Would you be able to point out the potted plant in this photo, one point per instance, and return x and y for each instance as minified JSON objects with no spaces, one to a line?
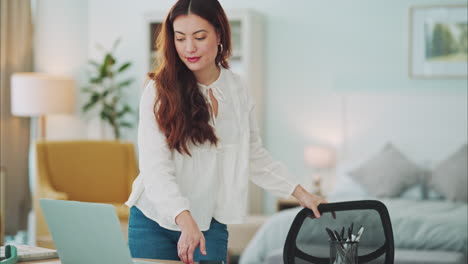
{"x":106,"y":91}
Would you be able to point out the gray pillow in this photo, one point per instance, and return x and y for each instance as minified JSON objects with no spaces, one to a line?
{"x":449,"y":178}
{"x":388,"y":173}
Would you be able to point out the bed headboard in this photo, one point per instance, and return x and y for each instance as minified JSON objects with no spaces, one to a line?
{"x":426,"y":127}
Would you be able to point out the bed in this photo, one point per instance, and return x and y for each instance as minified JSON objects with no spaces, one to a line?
{"x":436,"y":230}
{"x":429,"y":214}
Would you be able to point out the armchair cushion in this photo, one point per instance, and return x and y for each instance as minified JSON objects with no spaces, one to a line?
{"x":88,"y":171}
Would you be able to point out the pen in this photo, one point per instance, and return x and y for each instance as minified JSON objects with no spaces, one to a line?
{"x":330,"y":233}
{"x":359,"y":234}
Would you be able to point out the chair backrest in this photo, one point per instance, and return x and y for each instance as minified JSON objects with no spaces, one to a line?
{"x":308,"y":240}
{"x":89,"y":171}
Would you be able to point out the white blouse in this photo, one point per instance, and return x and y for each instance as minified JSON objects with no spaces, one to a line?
{"x":213,"y":182}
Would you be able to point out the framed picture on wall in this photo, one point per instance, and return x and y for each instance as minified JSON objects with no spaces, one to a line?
{"x":438,"y":42}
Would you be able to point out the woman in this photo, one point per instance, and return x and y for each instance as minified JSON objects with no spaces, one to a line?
{"x":198,"y":144}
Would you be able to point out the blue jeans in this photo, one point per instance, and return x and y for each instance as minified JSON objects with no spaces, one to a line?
{"x":147,"y":239}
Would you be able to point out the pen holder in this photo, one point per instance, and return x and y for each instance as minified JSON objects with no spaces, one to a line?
{"x":342,"y":252}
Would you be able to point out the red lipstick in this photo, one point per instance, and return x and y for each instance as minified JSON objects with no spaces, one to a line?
{"x":193,"y":59}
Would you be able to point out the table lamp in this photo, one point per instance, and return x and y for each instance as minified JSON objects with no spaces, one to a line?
{"x":39,"y":94}
{"x":319,"y":158}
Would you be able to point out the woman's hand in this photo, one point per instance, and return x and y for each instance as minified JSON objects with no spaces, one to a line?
{"x":308,"y":200}
{"x":190,"y":238}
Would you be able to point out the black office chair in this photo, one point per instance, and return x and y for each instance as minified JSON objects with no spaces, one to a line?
{"x":308,"y":241}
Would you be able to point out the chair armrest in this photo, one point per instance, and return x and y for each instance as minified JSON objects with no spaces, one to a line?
{"x":44,"y":188}
{"x":46,"y":191}
{"x":42,"y":234}
{"x":122,"y":210}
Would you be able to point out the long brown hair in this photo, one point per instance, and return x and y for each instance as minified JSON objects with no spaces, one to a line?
{"x":180,"y":108}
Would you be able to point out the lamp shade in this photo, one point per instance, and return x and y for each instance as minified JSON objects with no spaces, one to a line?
{"x":38,"y":94}
{"x":319,"y":157}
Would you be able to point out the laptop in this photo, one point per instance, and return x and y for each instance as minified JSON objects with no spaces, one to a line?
{"x":86,"y":233}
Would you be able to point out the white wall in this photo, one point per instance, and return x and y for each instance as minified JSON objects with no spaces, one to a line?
{"x":60,"y":47}
{"x":336,"y":73}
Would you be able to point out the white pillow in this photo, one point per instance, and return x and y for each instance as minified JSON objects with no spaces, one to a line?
{"x":450,"y":178}
{"x":388,"y":173}
{"x":345,"y":188}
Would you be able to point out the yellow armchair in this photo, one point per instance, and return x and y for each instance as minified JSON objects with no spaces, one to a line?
{"x":87,"y":171}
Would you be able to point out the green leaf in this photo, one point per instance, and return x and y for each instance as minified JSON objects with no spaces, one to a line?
{"x":125,"y":110}
{"x":128,"y":108}
{"x":104,"y":94}
{"x":124,"y":67}
{"x":95,"y":97}
{"x":108,"y":109}
{"x":125,"y":83}
{"x":109,"y":60}
{"x":115,"y":100}
{"x":109,"y":99}
{"x":93,"y":62}
{"x":92,"y":101}
{"x":106,"y":116}
{"x":96,"y":80}
{"x":87,"y":89}
{"x":105,"y":69}
{"x":126,"y":124}
{"x":86,"y":107}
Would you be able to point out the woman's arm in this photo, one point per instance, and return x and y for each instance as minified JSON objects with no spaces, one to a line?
{"x":273,"y":175}
{"x":190,"y":238}
{"x":156,"y":164}
{"x":266,"y":172}
{"x":308,"y":200}
{"x":157,"y":169}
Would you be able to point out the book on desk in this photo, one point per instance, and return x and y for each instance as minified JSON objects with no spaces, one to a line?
{"x":28,"y":253}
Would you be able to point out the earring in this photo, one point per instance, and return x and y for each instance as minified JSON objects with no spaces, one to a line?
{"x":220,"y":48}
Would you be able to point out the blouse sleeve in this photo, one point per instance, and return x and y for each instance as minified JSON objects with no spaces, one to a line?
{"x":264,"y":170}
{"x":156,"y":162}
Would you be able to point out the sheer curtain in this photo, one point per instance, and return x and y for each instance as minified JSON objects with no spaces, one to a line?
{"x":16,"y":35}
